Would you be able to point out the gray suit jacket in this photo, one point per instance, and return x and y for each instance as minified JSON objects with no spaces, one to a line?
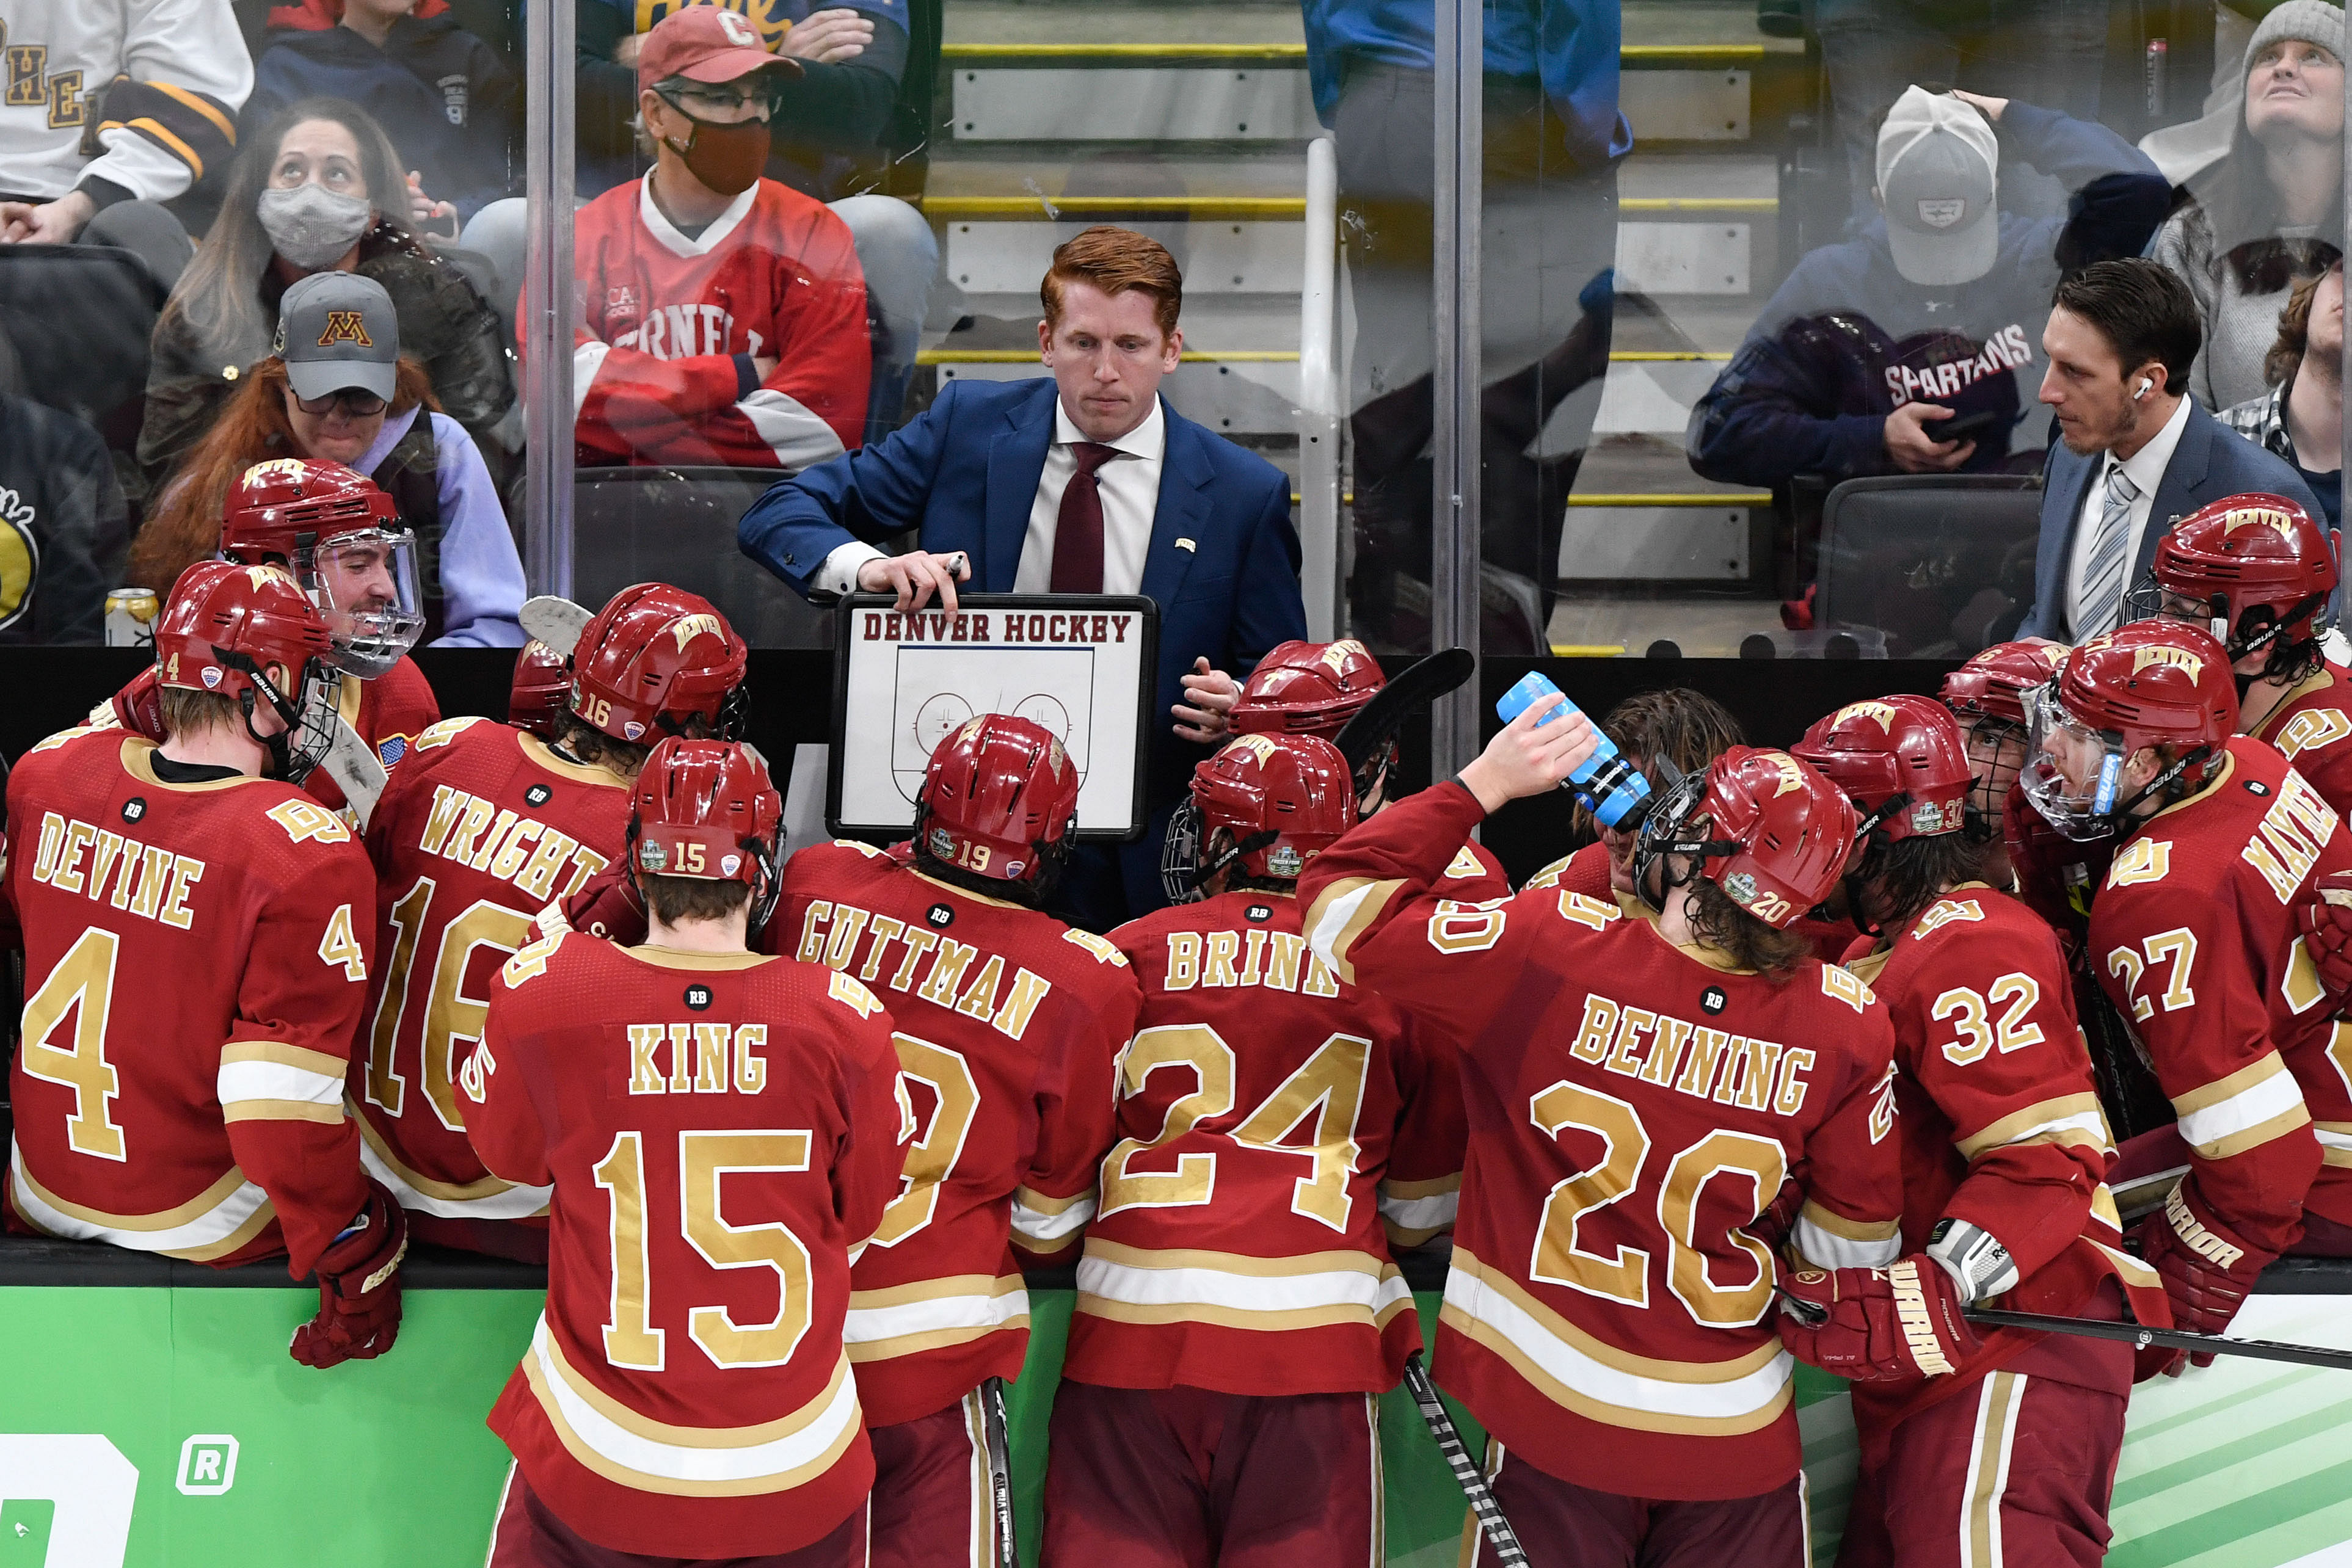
{"x":2210,"y":463}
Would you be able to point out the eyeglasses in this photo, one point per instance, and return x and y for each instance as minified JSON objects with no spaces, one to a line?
{"x":358,"y":405}
{"x":712,"y":103}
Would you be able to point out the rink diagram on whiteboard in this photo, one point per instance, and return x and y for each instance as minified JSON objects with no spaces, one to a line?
{"x":938,"y":689}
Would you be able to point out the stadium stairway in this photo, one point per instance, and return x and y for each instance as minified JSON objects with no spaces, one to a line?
{"x":1192,"y":122}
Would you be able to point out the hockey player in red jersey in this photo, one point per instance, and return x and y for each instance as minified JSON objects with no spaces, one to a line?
{"x":342,"y":538}
{"x":482,"y":828}
{"x":1638,"y":1092}
{"x":1987,"y":696}
{"x":2193,"y":934}
{"x":1238,"y":1311}
{"x":197,"y":949}
{"x":723,"y":315}
{"x":1666,"y":734}
{"x":2256,"y":571}
{"x":1315,"y":688}
{"x":1008,"y":1024}
{"x":2005,"y":1156}
{"x":721,"y":1132}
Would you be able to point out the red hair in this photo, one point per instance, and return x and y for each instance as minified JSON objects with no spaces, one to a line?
{"x":1116,"y":260}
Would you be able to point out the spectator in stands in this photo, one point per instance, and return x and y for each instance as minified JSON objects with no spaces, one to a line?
{"x":63,"y":524}
{"x":2134,"y":447}
{"x":319,"y":189}
{"x":1086,"y":483}
{"x":2301,"y":418}
{"x":2272,"y":211}
{"x":830,"y":139}
{"x":723,"y":313}
{"x":1933,"y":317}
{"x":113,"y":108}
{"x":450,"y":104}
{"x":1552,"y":139}
{"x":339,"y":388}
{"x":2048,"y":52}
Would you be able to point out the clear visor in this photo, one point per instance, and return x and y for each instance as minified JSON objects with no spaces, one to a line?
{"x":365,"y":583}
{"x":2073,"y":773}
{"x":2151,"y":601}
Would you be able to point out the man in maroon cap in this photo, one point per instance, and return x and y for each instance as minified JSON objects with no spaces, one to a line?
{"x":722,"y":315}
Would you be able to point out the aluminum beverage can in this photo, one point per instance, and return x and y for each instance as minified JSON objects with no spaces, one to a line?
{"x":131,"y":617}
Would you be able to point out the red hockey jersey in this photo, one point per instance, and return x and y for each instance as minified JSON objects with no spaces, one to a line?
{"x":665,"y":321}
{"x":2311,"y":729}
{"x":1998,"y":1118}
{"x":480,"y":828}
{"x":2193,"y":937}
{"x":1633,"y":1107}
{"x":1007,"y":1024}
{"x":721,"y":1131}
{"x":195,"y":956}
{"x":1584,"y":870}
{"x":1270,"y":1120}
{"x":389,"y":713}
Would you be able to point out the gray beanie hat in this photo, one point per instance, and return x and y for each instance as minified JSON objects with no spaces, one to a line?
{"x":2312,"y":21}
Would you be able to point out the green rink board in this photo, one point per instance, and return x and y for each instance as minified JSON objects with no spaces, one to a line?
{"x":166,"y":1429}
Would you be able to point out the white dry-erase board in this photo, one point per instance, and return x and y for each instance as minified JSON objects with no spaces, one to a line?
{"x":1083,"y":665}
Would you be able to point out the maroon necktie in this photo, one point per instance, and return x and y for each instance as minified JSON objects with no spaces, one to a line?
{"x":1078,"y":533}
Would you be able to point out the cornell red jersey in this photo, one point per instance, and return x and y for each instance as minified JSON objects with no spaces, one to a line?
{"x":2311,"y":729}
{"x":1633,"y":1106}
{"x":1007,"y":1023}
{"x":195,"y":956}
{"x":721,"y":1131}
{"x":389,"y":713}
{"x":1270,"y":1120}
{"x":667,"y":324}
{"x":2193,"y":937}
{"x":480,"y":828}
{"x":1998,"y":1118}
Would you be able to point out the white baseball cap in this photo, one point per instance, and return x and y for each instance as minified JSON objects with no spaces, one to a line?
{"x":1938,"y":165}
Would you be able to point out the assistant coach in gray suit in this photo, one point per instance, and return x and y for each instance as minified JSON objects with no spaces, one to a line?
{"x":2133,"y":448}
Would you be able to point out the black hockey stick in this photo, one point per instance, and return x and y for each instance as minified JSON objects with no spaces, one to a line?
{"x":2170,"y":1339}
{"x":1406,"y":692}
{"x":1466,"y":1469}
{"x":999,"y":1469}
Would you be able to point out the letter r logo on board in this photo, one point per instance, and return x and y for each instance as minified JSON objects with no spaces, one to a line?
{"x":207,"y":1464}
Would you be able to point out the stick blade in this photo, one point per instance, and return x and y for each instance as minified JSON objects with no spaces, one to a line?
{"x":554,"y":620}
{"x":1406,"y":692}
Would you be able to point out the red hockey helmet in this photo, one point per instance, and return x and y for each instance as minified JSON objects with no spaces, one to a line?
{"x":1307,"y":689}
{"x":2255,"y":570}
{"x":1771,"y":832}
{"x":653,"y":660}
{"x":250,"y":633}
{"x":1900,"y":760}
{"x":706,"y":810}
{"x":1284,"y":798}
{"x":1993,"y":684}
{"x":2148,"y":683}
{"x":542,"y":683}
{"x":1000,"y":800}
{"x":342,"y":538}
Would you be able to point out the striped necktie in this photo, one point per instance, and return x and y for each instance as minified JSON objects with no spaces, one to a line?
{"x":2103,"y":578}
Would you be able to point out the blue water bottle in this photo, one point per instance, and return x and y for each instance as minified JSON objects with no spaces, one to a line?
{"x":1611,"y":787}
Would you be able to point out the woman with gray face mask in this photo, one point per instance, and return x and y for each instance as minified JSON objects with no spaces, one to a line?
{"x":319,"y":188}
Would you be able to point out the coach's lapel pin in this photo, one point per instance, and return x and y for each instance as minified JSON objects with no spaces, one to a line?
{"x":1184,"y":544}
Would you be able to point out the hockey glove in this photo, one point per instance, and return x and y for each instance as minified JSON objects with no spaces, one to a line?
{"x":2325,"y":917}
{"x":2206,"y":1275}
{"x":359,"y":1288}
{"x":608,"y":905}
{"x":1870,"y":1325}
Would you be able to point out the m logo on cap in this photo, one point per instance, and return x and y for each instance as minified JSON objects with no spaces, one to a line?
{"x":1943,"y":212}
{"x":737,"y":30}
{"x":345,"y":327}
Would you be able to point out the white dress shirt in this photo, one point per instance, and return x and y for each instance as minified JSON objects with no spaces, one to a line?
{"x":2144,"y":469}
{"x":1130,"y":487}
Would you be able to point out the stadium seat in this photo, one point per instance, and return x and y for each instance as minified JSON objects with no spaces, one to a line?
{"x":1942,"y":563}
{"x":677,"y":525}
{"x":80,"y":317}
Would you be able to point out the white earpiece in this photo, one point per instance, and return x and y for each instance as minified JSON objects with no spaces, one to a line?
{"x":2144,"y":384}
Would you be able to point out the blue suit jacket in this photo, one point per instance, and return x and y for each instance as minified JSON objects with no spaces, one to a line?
{"x":2212,"y":462}
{"x":965,"y":471}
